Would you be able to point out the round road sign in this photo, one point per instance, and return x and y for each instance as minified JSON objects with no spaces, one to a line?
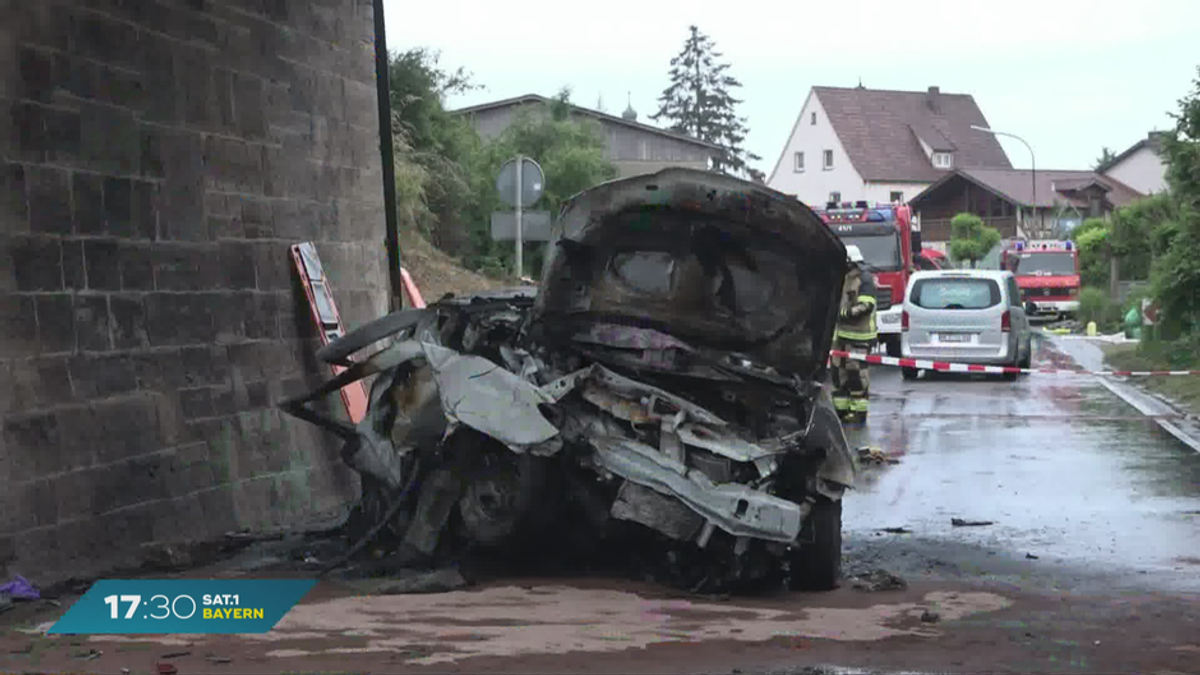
{"x":533,"y":180}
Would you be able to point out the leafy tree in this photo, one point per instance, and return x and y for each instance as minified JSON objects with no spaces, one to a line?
{"x":1105,"y":157}
{"x":571,"y":152}
{"x":698,"y":102}
{"x":434,"y":149}
{"x":1176,"y":272}
{"x":1181,"y":146}
{"x":1093,"y":240}
{"x":970,"y":239}
{"x":1133,"y":233}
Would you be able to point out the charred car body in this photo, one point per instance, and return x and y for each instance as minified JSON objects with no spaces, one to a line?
{"x":662,"y":383}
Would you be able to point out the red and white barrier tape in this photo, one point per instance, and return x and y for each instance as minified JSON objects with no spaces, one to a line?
{"x":945,"y":367}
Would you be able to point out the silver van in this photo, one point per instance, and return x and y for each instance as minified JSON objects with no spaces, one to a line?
{"x":965,"y":316}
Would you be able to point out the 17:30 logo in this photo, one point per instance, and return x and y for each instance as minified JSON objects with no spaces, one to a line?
{"x":168,"y":606}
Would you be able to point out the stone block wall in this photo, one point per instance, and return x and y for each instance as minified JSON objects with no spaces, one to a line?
{"x":157,"y":159}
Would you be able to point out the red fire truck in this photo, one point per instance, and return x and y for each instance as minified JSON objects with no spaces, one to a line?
{"x":1048,"y":276}
{"x":884,"y":235}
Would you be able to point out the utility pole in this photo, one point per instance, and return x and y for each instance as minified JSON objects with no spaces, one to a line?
{"x":520,"y":244}
{"x":1032,"y":164}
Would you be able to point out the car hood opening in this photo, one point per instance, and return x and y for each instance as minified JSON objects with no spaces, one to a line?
{"x":695,"y":261}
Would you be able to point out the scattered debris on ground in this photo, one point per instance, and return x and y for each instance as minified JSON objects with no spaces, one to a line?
{"x":20,"y":589}
{"x":17,"y":590}
{"x":436,"y":581}
{"x":896,"y":530}
{"x":962,"y":522}
{"x":1064,"y":326}
{"x":218,"y":660}
{"x":1031,"y":556}
{"x":877,"y":580}
{"x":875,"y":456}
{"x":929,"y":616}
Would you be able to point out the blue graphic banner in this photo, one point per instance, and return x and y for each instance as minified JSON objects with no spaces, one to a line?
{"x":163,"y":606}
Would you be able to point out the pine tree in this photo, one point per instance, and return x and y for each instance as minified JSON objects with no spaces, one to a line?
{"x":1105,"y":157}
{"x":698,"y":102}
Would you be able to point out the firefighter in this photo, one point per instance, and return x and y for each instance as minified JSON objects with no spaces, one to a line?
{"x":856,"y":332}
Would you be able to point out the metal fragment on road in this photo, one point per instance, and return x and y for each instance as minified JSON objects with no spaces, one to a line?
{"x":878,"y":580}
{"x":436,"y":581}
{"x":960,"y":522}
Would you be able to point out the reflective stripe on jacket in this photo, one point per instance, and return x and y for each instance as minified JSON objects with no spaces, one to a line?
{"x":862,"y":327}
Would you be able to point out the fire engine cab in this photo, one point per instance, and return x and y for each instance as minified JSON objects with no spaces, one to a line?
{"x":884,"y":235}
{"x":1048,"y":276}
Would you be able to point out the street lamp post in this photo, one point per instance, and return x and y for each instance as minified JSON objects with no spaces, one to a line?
{"x":1032,"y":162}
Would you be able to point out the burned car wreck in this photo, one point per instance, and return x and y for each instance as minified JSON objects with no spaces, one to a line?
{"x":659,"y":391}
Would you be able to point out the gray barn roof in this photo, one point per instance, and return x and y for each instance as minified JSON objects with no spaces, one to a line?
{"x":605,"y":117}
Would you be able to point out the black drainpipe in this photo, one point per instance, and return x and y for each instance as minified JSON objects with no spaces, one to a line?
{"x":387,"y":152}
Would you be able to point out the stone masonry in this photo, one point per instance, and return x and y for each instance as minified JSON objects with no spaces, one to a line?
{"x":157,"y":158}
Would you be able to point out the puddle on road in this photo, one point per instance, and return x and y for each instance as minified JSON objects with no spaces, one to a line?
{"x":444,"y":628}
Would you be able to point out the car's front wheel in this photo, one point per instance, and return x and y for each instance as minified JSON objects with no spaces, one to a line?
{"x":817,"y":565}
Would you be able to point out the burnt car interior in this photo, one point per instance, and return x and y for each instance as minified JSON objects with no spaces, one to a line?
{"x":655,"y":403}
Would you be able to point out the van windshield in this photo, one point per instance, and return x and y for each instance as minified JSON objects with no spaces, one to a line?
{"x":1048,"y":263}
{"x":955,"y":293}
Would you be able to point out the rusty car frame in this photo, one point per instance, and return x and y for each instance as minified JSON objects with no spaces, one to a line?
{"x":659,"y":389}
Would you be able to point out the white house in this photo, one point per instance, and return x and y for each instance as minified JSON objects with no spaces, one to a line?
{"x":1141,"y":167}
{"x":851,"y":144}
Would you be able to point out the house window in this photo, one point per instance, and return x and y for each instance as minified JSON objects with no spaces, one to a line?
{"x":799,"y":157}
{"x":828,"y":160}
{"x":835,"y":197}
{"x":814,"y":119}
{"x":896,"y":197}
{"x":942,"y":160}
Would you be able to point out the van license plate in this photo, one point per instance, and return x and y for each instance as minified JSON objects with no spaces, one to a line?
{"x":954,"y":337}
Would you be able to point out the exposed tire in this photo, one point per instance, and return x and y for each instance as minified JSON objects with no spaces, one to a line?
{"x":500,"y":499}
{"x":1027,"y":362}
{"x":892,"y":346}
{"x":817,"y":566}
{"x":909,"y":373}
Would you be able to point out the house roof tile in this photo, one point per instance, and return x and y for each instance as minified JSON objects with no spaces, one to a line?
{"x":1016,"y":185}
{"x":882,"y":131}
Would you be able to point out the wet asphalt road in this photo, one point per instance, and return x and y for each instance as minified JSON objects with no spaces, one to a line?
{"x":1105,"y":502}
{"x":1067,"y":471}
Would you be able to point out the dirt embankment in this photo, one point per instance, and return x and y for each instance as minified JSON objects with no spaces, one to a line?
{"x":437,"y":274}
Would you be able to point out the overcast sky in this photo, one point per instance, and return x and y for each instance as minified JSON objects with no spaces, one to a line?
{"x":1069,"y":77}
